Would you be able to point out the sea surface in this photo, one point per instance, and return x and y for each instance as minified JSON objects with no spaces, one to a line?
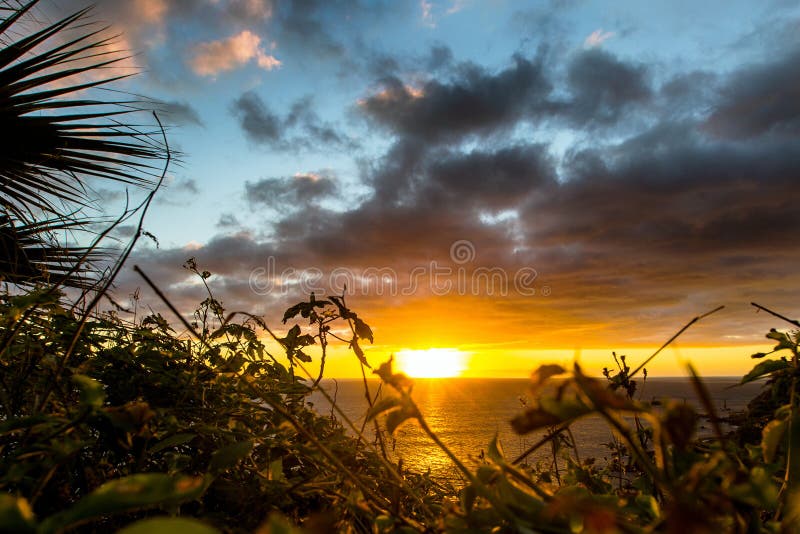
{"x":467,"y":413}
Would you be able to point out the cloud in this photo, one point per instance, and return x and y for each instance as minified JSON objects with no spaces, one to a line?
{"x":259,"y":123}
{"x":186,"y":185}
{"x":603,"y":87}
{"x":300,"y":128}
{"x":178,"y":191}
{"x":760,"y":99}
{"x":676,"y":210}
{"x":228,"y":220}
{"x":151,"y":11}
{"x":211,"y":58}
{"x":290,"y":193}
{"x":440,"y":56}
{"x":426,"y":13}
{"x":597,"y":38}
{"x":475,"y":101}
{"x":249,"y":10}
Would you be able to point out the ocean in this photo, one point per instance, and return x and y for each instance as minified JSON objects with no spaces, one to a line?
{"x":466,"y":414}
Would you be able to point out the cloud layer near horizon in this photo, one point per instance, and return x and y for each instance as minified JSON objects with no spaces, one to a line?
{"x":640,"y":194}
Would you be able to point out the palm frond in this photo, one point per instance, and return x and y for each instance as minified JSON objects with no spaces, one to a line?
{"x":30,"y":254}
{"x":56,"y":138}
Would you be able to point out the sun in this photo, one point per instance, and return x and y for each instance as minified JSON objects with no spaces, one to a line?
{"x":431,"y":363}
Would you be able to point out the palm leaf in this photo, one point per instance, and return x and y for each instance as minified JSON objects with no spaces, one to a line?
{"x":58,"y":139}
{"x":30,"y":254}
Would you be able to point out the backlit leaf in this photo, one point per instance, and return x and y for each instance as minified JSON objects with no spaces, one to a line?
{"x":771,"y":437}
{"x":91,"y":391}
{"x":15,"y":514}
{"x":383,"y":405}
{"x":764,"y":368}
{"x":128,"y":493}
{"x":543,"y":373}
{"x":363,"y":330}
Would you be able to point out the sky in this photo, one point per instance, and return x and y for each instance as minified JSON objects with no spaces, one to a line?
{"x":518,"y":181}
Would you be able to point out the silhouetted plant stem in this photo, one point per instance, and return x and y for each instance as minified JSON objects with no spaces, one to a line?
{"x":143,"y":208}
{"x":776,"y":314}
{"x":539,"y":444}
{"x":390,"y":468}
{"x":673,"y":338}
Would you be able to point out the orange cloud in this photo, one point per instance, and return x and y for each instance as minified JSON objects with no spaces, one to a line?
{"x":214,"y":57}
{"x":151,"y":11}
{"x":597,"y":37}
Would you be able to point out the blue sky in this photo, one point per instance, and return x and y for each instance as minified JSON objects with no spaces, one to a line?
{"x":670,"y":38}
{"x":640,"y":156}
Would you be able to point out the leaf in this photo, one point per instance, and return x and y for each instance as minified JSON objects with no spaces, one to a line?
{"x":396,"y":380}
{"x":172,"y":441}
{"x":168,"y":525}
{"x":771,"y":437}
{"x":783,"y":339}
{"x":397,"y":417}
{"x":125,"y":494}
{"x":495,"y":450}
{"x":764,"y":368}
{"x":91,"y":391}
{"x":602,"y":397}
{"x":534,"y":419}
{"x":292,"y":312}
{"x":359,"y":353}
{"x":302,"y":356}
{"x":343,"y":311}
{"x":15,"y":514}
{"x":758,"y":491}
{"x":292,"y":334}
{"x":230,"y":455}
{"x":276,"y":470}
{"x":550,"y":412}
{"x":362,"y":329}
{"x":383,"y":405}
{"x":543,"y":373}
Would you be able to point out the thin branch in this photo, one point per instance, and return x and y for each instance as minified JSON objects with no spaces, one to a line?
{"x":776,"y":314}
{"x":673,"y":338}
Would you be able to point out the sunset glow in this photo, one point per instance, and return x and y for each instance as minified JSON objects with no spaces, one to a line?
{"x":431,"y":363}
{"x":571,"y":179}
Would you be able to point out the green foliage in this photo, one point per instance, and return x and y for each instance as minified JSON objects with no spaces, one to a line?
{"x":108,"y":424}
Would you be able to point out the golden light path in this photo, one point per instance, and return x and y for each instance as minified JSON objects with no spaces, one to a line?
{"x":431,"y":363}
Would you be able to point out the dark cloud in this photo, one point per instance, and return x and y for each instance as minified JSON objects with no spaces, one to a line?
{"x":301,"y":128}
{"x":440,"y":56}
{"x":603,"y":87}
{"x":228,"y":220}
{"x":475,"y":101}
{"x":259,"y":123}
{"x":302,"y":25}
{"x":689,"y":92}
{"x":290,"y":193}
{"x":186,"y":185}
{"x":490,"y":180}
{"x":760,"y":99}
